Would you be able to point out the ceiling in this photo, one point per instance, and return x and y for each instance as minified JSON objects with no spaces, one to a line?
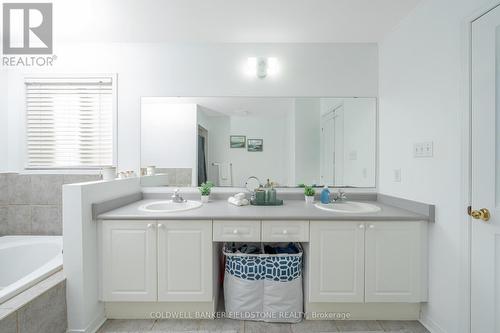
{"x":237,"y":106}
{"x":256,"y":21}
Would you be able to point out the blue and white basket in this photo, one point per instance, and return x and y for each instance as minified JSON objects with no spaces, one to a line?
{"x":265,"y":287}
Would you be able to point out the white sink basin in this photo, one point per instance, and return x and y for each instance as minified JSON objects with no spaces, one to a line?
{"x":168,"y":206}
{"x":349,"y":207}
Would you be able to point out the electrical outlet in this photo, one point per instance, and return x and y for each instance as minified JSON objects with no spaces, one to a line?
{"x":397,"y":175}
{"x":423,"y":149}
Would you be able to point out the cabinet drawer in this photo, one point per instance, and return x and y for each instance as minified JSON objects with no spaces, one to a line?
{"x":236,"y":231}
{"x":284,"y":231}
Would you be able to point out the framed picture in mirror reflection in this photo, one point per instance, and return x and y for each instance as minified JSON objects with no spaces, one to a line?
{"x":255,"y":145}
{"x":237,"y":141}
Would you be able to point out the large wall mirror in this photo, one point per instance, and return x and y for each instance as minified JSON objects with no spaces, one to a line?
{"x":290,"y":141}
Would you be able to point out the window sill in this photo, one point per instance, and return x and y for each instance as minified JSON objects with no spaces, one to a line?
{"x":60,"y":172}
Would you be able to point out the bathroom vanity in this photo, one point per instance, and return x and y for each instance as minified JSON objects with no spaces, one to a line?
{"x":367,"y":257}
{"x":170,"y":261}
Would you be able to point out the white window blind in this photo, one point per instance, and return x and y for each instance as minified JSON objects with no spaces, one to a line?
{"x":69,"y":122}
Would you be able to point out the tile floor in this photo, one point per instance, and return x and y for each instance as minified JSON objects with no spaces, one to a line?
{"x":235,"y":326}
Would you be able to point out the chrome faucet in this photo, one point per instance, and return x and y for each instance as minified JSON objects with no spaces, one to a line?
{"x":339,"y":196}
{"x":251,"y":188}
{"x":176,"y":197}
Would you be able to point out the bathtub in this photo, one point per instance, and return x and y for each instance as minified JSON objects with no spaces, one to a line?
{"x":26,"y":260}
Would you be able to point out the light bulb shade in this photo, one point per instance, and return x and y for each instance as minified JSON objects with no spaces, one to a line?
{"x":261,"y":67}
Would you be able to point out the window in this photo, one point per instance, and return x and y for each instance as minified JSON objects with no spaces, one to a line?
{"x":70,"y":122}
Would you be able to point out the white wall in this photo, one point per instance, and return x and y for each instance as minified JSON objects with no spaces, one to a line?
{"x":198,"y":70}
{"x":271,"y":163}
{"x":422,"y":84}
{"x":80,"y":245}
{"x":360,"y":142}
{"x":307,"y":141}
{"x":169,"y":135}
{"x":355,"y":139}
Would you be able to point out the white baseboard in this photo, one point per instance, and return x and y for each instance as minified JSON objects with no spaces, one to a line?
{"x":431,"y":325}
{"x":92,"y":328}
{"x":366,"y":311}
{"x":149,"y":310}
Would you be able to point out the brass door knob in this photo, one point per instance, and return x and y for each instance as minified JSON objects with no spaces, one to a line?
{"x":480,"y":214}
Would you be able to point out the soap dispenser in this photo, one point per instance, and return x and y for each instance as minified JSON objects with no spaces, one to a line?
{"x":325,"y":195}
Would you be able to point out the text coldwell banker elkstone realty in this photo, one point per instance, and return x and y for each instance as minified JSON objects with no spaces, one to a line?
{"x":27,"y":33}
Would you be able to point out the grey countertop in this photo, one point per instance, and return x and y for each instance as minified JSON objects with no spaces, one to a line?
{"x":291,"y":210}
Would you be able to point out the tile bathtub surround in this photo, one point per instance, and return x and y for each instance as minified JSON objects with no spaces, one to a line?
{"x":39,"y":309}
{"x":9,"y":324}
{"x":3,"y":220}
{"x":177,"y":176}
{"x":45,"y":314}
{"x":30,"y":204}
{"x":4,"y":192}
{"x":235,"y":326}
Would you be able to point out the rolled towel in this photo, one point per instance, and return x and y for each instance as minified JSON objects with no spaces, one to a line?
{"x":240,"y":196}
{"x":236,"y":202}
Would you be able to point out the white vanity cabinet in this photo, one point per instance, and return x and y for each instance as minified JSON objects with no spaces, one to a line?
{"x":168,"y":261}
{"x":336,"y":262}
{"x":358,"y":262}
{"x":395,"y":262}
{"x":128,"y":260}
{"x":345,"y":261}
{"x":237,"y":231}
{"x":285,"y":231}
{"x":184,"y":261}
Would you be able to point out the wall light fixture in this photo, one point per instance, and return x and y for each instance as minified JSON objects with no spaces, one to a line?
{"x":262,"y":67}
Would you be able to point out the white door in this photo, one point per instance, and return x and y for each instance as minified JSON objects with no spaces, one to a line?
{"x":336,"y":261}
{"x":128,"y":260}
{"x":327,"y":155}
{"x":185,"y":262}
{"x":339,"y":146}
{"x":485,"y":256}
{"x":394,"y":262}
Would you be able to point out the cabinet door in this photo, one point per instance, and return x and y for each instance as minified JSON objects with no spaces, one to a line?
{"x":394,"y":262}
{"x":128,"y":260}
{"x":336,"y":261}
{"x":185,"y":261}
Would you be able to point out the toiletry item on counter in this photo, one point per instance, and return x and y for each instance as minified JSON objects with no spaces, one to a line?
{"x":270,"y":194}
{"x":260,"y":195}
{"x":325,"y":195}
{"x":238,"y":200}
{"x":151,"y":170}
{"x":108,"y":173}
{"x":126,"y":174}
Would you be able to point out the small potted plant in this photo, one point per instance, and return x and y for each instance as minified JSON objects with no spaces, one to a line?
{"x":309,"y":193}
{"x":205,"y":190}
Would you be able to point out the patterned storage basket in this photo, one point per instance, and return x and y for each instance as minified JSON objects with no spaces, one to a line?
{"x":265,"y":287}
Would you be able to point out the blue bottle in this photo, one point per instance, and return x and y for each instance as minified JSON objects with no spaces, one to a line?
{"x":325,"y":195}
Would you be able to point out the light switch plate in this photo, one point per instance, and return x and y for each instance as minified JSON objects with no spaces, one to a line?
{"x":397,"y":175}
{"x":423,"y":149}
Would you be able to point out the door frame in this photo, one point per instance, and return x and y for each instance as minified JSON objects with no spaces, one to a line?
{"x":466,"y":174}
{"x":330,"y":115}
